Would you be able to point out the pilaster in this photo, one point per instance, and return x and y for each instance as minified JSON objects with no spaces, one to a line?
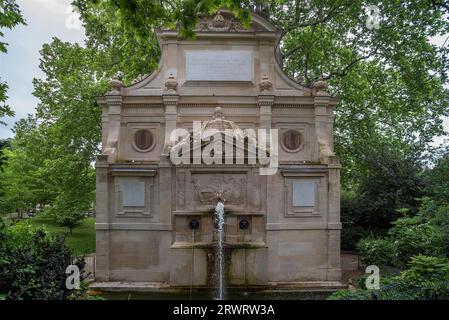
{"x":265,"y":110}
{"x":114,"y":103}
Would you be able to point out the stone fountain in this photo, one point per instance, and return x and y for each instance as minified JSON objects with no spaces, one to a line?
{"x":160,"y":220}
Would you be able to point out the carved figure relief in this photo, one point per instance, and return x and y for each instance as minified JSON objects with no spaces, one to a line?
{"x":230,"y":188}
{"x":219,"y":23}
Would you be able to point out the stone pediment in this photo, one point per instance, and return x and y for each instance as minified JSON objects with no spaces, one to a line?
{"x":217,"y":64}
{"x":231,"y":136}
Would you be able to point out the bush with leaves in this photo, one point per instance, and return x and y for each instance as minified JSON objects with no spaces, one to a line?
{"x":429,"y":276}
{"x":375,"y":251}
{"x":426,"y":278}
{"x":427,"y":233}
{"x":411,"y":238}
{"x":67,"y":211}
{"x":389,"y":186}
{"x":33,"y":264}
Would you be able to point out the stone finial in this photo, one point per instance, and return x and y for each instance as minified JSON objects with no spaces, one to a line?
{"x":219,"y":21}
{"x":265,"y":84}
{"x":171,"y":84}
{"x":320,"y":87}
{"x":116,"y":82}
{"x":218,"y":113}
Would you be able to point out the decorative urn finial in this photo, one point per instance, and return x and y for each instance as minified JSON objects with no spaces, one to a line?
{"x":116,"y":82}
{"x":171,"y":84}
{"x":218,"y":113}
{"x":320,"y":87}
{"x":265,"y":84}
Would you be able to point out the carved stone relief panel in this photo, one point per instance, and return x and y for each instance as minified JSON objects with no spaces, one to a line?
{"x":208,"y":188}
{"x":180,"y":190}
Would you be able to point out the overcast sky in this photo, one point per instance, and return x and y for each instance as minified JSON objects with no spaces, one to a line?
{"x":45,"y":19}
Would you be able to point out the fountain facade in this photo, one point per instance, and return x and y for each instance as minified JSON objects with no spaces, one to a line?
{"x":158,"y":222}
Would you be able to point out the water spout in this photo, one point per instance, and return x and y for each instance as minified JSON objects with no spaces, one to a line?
{"x":219,"y":222}
{"x":193,"y":263}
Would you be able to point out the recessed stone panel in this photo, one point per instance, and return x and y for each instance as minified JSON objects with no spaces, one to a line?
{"x":304,"y":193}
{"x":133,"y":193}
{"x":211,"y":65}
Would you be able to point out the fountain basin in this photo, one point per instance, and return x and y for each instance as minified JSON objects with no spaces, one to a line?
{"x":211,"y":245}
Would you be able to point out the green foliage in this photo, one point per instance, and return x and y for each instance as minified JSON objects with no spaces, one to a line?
{"x":25,"y":180}
{"x":376,"y":251}
{"x":390,"y":188}
{"x":426,"y":278}
{"x":33,"y":264}
{"x":437,"y":178}
{"x":4,"y":144}
{"x":68,"y":212}
{"x":427,"y":233}
{"x":81,"y":241}
{"x":351,"y":234}
{"x":10,"y":16}
{"x":412,"y":238}
{"x":392,"y":181}
{"x":51,"y":157}
{"x":426,"y":268}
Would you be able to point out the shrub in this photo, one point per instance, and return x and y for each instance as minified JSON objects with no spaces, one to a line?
{"x":351,"y":234}
{"x":409,"y":238}
{"x":33,"y":264}
{"x":419,"y":235}
{"x":376,"y":251}
{"x":426,"y":278}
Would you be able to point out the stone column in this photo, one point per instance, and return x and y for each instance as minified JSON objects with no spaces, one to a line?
{"x":321,"y":104}
{"x":102,"y":219}
{"x":323,"y":129}
{"x":171,"y":115}
{"x":265,"y":106}
{"x":333,"y":222}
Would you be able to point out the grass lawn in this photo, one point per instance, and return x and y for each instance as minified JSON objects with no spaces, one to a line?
{"x":82,"y":240}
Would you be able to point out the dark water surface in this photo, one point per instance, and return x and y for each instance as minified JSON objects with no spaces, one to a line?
{"x":237,"y":295}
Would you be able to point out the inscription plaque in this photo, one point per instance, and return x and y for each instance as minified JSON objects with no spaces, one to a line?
{"x":303,"y":194}
{"x":219,"y":66}
{"x":133,"y":193}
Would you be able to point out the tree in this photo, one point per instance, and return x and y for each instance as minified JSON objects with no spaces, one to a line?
{"x":25,"y":181}
{"x":437,"y":178}
{"x":391,"y":80}
{"x":4,"y":144}
{"x":389,"y":186}
{"x":68,"y":212}
{"x":10,"y":16}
